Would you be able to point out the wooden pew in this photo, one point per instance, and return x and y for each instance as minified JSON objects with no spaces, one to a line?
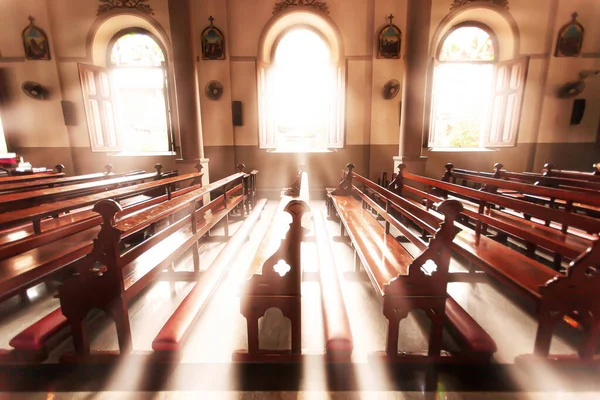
{"x":560,"y":183}
{"x":5,"y":180}
{"x":405,"y":282}
{"x":558,"y":296}
{"x":15,"y":201}
{"x":275,"y":277}
{"x":171,"y":338}
{"x":121,"y":276}
{"x":34,"y":258}
{"x":65,"y":181}
{"x":29,"y":228}
{"x":557,"y":231}
{"x":572,"y":201}
{"x":339,"y":343}
{"x":551,"y":171}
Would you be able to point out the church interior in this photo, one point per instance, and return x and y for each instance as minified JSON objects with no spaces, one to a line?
{"x":320,"y":199}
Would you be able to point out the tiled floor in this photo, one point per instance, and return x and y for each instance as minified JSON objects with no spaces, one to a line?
{"x":221,"y":329}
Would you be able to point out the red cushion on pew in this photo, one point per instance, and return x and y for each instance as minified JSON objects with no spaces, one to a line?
{"x":35,"y":337}
{"x":470,"y":332}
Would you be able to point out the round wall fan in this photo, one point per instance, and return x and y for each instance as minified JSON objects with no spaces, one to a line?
{"x":390,"y":89}
{"x":35,"y":90}
{"x":573,"y":89}
{"x":213,"y":90}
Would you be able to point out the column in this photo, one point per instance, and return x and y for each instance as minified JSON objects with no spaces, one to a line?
{"x":186,"y":80}
{"x":416,"y":60}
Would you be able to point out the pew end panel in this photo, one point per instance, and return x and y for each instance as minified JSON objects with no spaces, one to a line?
{"x":278,"y":286}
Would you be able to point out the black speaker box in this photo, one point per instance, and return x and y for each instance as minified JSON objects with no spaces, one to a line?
{"x":236,"y":110}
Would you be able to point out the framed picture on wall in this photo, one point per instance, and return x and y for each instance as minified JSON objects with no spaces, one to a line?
{"x":389,"y":41}
{"x":570,"y":39}
{"x":35,"y":42}
{"x":213,"y":42}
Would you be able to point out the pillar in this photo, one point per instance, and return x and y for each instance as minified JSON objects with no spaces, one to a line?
{"x":416,"y":59}
{"x":186,"y":80}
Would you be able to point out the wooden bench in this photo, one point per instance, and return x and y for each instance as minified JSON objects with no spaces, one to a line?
{"x":405,"y":282}
{"x":65,"y":181}
{"x":18,"y":200}
{"x":275,"y":277}
{"x":6,"y":180}
{"x":121,"y":276}
{"x":575,"y":201}
{"x":557,"y":296}
{"x":339,"y":343}
{"x":171,"y":338}
{"x":594,"y":176}
{"x":34,"y":258}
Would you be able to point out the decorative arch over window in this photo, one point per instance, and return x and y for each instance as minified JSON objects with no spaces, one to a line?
{"x":475,"y":99}
{"x":127,"y":93}
{"x":301,"y":83}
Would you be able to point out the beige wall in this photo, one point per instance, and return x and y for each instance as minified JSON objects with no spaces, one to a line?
{"x":372,"y":122}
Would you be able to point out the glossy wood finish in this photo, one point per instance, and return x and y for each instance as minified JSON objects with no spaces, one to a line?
{"x":279,"y":288}
{"x":173,"y":334}
{"x":69,"y":180}
{"x":36,"y":213}
{"x":6,"y":180}
{"x":121,"y":276}
{"x":526,"y":275}
{"x":14,"y":201}
{"x":404,"y":282}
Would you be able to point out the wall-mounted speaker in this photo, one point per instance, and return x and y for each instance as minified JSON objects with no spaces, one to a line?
{"x":236,"y":111}
{"x":578,"y":111}
{"x":68,"y":109}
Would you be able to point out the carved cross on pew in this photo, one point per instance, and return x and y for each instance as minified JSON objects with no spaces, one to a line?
{"x":391,"y":18}
{"x":211,"y":19}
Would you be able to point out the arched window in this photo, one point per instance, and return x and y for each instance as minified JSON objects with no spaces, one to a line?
{"x":127,"y":104}
{"x":300,"y":89}
{"x":476,"y":99}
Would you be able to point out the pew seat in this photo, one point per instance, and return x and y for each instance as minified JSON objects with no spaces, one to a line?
{"x":385,"y":259}
{"x":172,"y":336}
{"x":33,"y":266}
{"x":339,"y":343}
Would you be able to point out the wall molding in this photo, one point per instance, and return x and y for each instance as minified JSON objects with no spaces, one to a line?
{"x":366,"y":57}
{"x":590,"y":55}
{"x":242,"y":58}
{"x":11,"y":59}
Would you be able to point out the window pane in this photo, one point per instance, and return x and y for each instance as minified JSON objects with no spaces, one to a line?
{"x":301,"y":94}
{"x":96,"y":123}
{"x":105,"y":85}
{"x":90,"y":82}
{"x":138,"y":50}
{"x":467,"y":44}
{"x":461,"y":98}
{"x":110,"y":123}
{"x":3,"y":146}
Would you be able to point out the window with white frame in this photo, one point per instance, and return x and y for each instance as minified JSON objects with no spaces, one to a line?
{"x":301,"y":95}
{"x":476,"y":99}
{"x":127,"y":103}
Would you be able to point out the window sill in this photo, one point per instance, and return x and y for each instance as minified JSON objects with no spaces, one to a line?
{"x":143,"y":153}
{"x":285,"y":151}
{"x":460,"y":149}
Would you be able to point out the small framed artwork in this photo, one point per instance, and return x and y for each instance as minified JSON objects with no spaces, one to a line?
{"x":35,"y":42}
{"x":389,"y":41}
{"x":213,"y":42}
{"x":570,"y":39}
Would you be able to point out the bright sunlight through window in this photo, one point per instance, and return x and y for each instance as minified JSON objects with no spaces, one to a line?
{"x":3,"y":146}
{"x":462,"y":89}
{"x":139,"y":78}
{"x":301,"y":93}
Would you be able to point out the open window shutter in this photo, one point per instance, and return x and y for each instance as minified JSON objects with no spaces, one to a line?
{"x":168,"y":108}
{"x":508,"y":90}
{"x":431,"y":142}
{"x":99,"y":107}
{"x":336,"y":125}
{"x":266,"y":129}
